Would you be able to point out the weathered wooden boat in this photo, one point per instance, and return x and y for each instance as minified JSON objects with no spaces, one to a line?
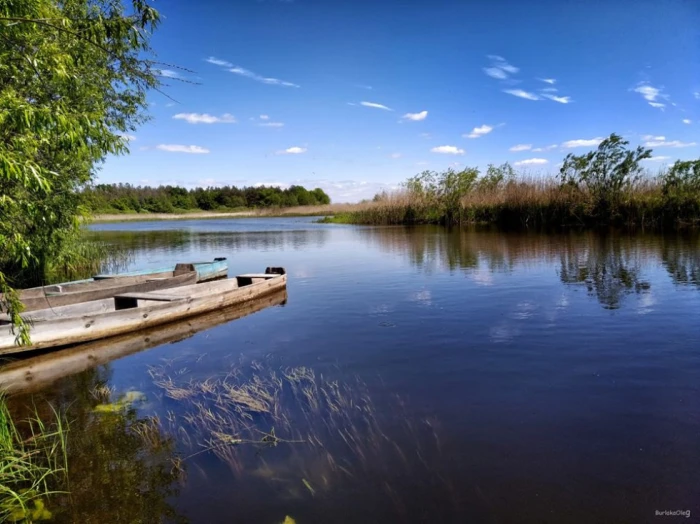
{"x":105,"y":286}
{"x":206,"y":271}
{"x":84,"y":291}
{"x":127,"y":312}
{"x":33,"y":373}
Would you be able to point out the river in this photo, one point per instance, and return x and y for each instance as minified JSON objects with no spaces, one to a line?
{"x":411,"y":375}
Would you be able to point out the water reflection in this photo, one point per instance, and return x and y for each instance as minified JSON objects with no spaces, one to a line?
{"x":610,"y":267}
{"x":119,"y":464}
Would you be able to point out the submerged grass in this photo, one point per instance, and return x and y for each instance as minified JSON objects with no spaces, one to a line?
{"x":33,"y":462}
{"x":293,"y":430}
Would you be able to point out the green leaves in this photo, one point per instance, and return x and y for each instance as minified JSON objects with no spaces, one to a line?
{"x":74,"y":75}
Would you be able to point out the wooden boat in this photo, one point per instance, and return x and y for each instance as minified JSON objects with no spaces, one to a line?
{"x":127,"y":312}
{"x":34,"y":373}
{"x":206,"y":271}
{"x":86,"y":290}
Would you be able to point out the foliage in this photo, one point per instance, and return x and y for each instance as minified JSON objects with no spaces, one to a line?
{"x":605,"y":187}
{"x":32,"y":464}
{"x":606,"y":172}
{"x":126,"y":198}
{"x":73,"y":80}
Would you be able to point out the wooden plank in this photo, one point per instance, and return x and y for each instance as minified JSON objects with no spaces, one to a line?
{"x":257,"y":275}
{"x":161,"y":297}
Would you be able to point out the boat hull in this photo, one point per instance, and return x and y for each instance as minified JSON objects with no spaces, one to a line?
{"x":69,"y":327}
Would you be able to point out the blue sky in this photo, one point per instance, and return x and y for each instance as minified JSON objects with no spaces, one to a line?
{"x":355,"y":97}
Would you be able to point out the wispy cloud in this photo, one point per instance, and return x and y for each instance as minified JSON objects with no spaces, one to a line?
{"x":479,"y":131}
{"x":365,"y":87}
{"x":376,"y":106}
{"x":532,"y":162}
{"x":176,"y":148}
{"x":264,"y":117}
{"x":660,"y":141}
{"x":697,"y":95}
{"x":659,"y":158}
{"x":292,"y":151}
{"x":205,"y":118}
{"x":219,"y":62}
{"x":521,"y":147}
{"x":448,"y":150}
{"x":127,"y":137}
{"x":271,"y":124}
{"x":651,"y":94}
{"x":522,"y":94}
{"x":548,"y":90}
{"x":582,"y":142}
{"x":168,"y":73}
{"x":548,"y":80}
{"x":259,"y":78}
{"x":560,"y":99}
{"x":396,"y":155}
{"x":545,"y":148}
{"x":500,"y":68}
{"x":687,"y":121}
{"x":416,"y":117}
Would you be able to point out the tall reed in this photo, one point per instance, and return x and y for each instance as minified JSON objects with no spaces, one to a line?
{"x":33,"y":464}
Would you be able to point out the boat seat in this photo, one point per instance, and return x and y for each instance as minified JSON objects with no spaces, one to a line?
{"x":130,"y":300}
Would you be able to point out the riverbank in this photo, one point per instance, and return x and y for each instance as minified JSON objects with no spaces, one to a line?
{"x":298,"y":211}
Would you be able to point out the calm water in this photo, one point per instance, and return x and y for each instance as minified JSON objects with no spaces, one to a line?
{"x":431,"y":375}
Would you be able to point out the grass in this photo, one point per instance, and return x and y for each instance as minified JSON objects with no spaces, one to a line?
{"x":297,"y":211}
{"x":533,"y":202}
{"x":294,"y":432}
{"x":32,"y":463}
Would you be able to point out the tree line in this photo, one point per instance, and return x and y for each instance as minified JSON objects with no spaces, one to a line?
{"x":125,"y":198}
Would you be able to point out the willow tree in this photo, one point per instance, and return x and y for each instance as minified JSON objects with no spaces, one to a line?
{"x":74,"y":75}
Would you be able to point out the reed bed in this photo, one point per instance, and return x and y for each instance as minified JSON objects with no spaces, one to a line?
{"x":33,"y":462}
{"x":304,"y":434}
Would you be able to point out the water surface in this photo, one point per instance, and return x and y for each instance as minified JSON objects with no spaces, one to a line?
{"x":431,"y":375}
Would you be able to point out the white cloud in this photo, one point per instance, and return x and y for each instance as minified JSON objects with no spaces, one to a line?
{"x":258,"y":78}
{"x":448,"y":150}
{"x":416,"y":117}
{"x":479,"y":131}
{"x":376,"y":106}
{"x":548,"y":90}
{"x":219,"y":62}
{"x":548,"y":80}
{"x":697,"y":95}
{"x":292,"y":151}
{"x":205,"y":118}
{"x":167,"y":73}
{"x":560,"y":99}
{"x":582,"y":142}
{"x":651,"y":94}
{"x":522,"y":94}
{"x":657,"y":158}
{"x":272,"y":124}
{"x":521,"y":147}
{"x":264,"y":117}
{"x":500,"y":68}
{"x":176,"y":148}
{"x":532,"y":162}
{"x":127,"y":137}
{"x":495,"y":72}
{"x":660,"y":141}
{"x":396,"y":155}
{"x":546,"y":148}
{"x":687,"y":121}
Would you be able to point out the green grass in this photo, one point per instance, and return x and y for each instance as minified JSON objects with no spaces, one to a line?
{"x":33,"y":464}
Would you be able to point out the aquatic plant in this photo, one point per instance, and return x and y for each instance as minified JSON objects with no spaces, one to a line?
{"x":291,"y":429}
{"x":33,"y":464}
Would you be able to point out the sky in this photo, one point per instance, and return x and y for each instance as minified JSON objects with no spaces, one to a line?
{"x":356,"y":96}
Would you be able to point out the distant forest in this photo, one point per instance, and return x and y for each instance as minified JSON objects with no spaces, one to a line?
{"x":125,"y":198}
